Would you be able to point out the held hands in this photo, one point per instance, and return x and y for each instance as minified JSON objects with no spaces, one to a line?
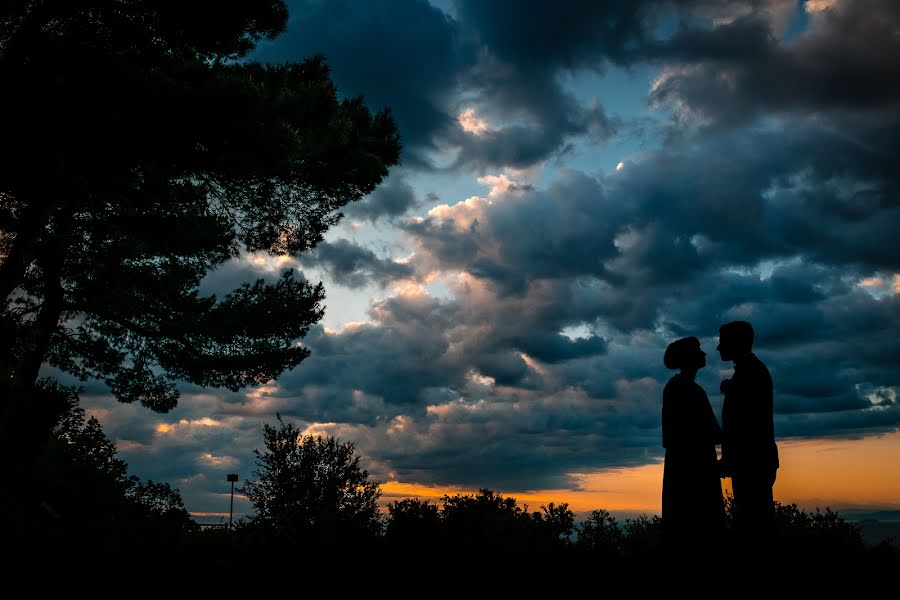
{"x":724,"y":468}
{"x":726,"y":386}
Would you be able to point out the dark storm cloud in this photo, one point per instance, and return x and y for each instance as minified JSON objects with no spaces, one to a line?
{"x":406,"y":353}
{"x":675,"y":216}
{"x":564,"y":231}
{"x":515,"y":146}
{"x":352,"y":265}
{"x":526,"y":47}
{"x":402,"y":54}
{"x":721,"y":294}
{"x":516,"y":80}
{"x":804,"y":190}
{"x":543,"y":36}
{"x":393,"y":198}
{"x":505,"y":367}
{"x":554,"y":348}
{"x":416,"y":346}
{"x":845,"y":60}
{"x":853,"y":424}
{"x":553,"y":118}
{"x":478,"y":432}
{"x":537,"y":36}
{"x":725,"y":62}
{"x":516,"y":441}
{"x":426,"y":66}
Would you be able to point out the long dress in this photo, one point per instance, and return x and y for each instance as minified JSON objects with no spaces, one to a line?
{"x":692,"y":506}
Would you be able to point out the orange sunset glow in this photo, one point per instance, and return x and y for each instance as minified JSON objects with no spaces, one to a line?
{"x":813,"y":474}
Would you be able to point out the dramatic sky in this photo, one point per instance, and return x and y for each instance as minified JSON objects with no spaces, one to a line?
{"x":582,"y":183}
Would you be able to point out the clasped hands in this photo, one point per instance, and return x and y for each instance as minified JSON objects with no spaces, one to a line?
{"x":726,"y":386}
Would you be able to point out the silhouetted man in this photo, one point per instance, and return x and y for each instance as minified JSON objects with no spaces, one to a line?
{"x":749,"y":453}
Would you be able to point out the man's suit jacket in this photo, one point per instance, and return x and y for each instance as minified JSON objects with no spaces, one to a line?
{"x":748,"y":429}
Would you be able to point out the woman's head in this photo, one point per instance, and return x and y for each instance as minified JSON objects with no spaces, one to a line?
{"x":685,"y":354}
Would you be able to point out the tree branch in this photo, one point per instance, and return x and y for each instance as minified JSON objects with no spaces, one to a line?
{"x":25,"y":246}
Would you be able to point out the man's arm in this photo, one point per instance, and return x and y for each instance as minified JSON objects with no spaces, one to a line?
{"x":726,"y":463}
{"x":760,"y":431}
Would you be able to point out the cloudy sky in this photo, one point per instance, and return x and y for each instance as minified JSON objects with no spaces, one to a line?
{"x":582,"y":183}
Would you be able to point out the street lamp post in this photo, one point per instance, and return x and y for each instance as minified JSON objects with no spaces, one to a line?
{"x":232,"y":477}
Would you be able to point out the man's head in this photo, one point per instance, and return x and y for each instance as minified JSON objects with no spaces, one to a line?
{"x":735,"y":339}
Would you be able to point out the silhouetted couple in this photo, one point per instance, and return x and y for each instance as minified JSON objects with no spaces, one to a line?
{"x":693,"y":509}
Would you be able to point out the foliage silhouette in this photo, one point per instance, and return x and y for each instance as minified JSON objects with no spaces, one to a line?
{"x":556,"y":521}
{"x":311,"y":489}
{"x":483,"y":520}
{"x":79,"y":494}
{"x":600,"y":533}
{"x":818,"y":530}
{"x":413,"y":524}
{"x":642,"y":536}
{"x":478,"y":523}
{"x":141,"y":151}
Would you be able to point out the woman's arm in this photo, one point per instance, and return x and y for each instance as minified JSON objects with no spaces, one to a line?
{"x":667,"y":417}
{"x":673,"y":415}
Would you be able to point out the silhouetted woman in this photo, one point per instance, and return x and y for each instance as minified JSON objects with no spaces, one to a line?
{"x":692,"y":507}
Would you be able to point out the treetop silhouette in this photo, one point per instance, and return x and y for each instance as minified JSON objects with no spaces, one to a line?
{"x":311,"y":487}
{"x":141,"y":151}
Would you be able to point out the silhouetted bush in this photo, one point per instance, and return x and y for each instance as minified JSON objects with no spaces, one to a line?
{"x":311,"y":492}
{"x":488,"y":521}
{"x":554,"y":524}
{"x":600,"y":534}
{"x":642,"y":536}
{"x":413,"y":524}
{"x":77,"y":495}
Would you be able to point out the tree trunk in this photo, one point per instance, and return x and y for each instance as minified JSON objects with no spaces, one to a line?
{"x":15,"y":416}
{"x":42,"y":332}
{"x":25,"y":246}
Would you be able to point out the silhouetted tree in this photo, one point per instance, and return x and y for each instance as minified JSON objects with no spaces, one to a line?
{"x":159,"y":500}
{"x":141,"y":150}
{"x":311,"y":488}
{"x":642,"y":536}
{"x":816,"y":534}
{"x":80,"y":493}
{"x":599,"y":533}
{"x":488,"y":521}
{"x":810,"y":535}
{"x":555,"y":523}
{"x":413,"y":524}
{"x":482,"y":520}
